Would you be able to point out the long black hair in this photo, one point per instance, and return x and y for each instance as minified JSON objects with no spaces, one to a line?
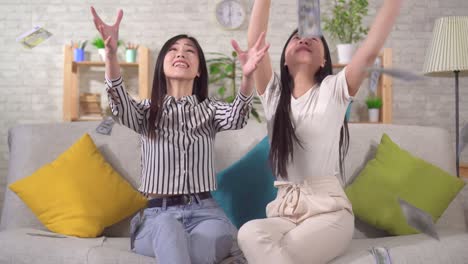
{"x":159,"y":90}
{"x":283,"y":137}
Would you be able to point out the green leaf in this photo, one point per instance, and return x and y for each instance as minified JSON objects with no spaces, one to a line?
{"x":374,"y":102}
{"x":255,"y":114}
{"x":221,"y":91}
{"x":98,"y":42}
{"x":214,"y":69}
{"x":229,"y":69}
{"x":230,"y":98}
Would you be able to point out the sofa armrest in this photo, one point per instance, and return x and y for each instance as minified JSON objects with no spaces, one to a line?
{"x":2,"y":193}
{"x":464,"y":195}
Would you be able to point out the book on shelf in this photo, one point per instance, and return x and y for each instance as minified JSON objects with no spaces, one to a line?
{"x":90,"y":117}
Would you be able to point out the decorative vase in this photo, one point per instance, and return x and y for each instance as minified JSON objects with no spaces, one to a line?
{"x":102,"y":54}
{"x":78,"y":55}
{"x":345,"y":52}
{"x":374,"y":115}
{"x":130,"y":55}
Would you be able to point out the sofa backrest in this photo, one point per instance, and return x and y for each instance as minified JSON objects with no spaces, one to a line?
{"x":32,"y":146}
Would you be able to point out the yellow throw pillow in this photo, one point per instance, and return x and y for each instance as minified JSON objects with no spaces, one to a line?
{"x":79,"y":193}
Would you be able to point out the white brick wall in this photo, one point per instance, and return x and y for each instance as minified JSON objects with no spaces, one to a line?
{"x":31,"y":80}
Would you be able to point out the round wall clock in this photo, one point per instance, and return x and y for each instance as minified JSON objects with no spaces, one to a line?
{"x":231,"y":14}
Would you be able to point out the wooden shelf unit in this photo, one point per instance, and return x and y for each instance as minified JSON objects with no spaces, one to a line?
{"x":384,"y":88}
{"x":71,"y":81}
{"x":464,"y":170}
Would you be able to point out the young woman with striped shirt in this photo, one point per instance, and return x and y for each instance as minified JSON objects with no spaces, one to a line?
{"x":177,"y":127}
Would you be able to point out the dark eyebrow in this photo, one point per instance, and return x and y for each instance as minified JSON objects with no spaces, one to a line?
{"x":186,"y":44}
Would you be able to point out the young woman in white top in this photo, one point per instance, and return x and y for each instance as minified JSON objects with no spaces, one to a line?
{"x":182,"y":224}
{"x":311,"y":220}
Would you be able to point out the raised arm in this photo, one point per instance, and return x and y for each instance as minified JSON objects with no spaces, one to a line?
{"x":250,"y":60}
{"x":370,"y":48}
{"x":130,"y":112}
{"x":258,"y":24}
{"x":235,"y":115}
{"x":110,"y":35}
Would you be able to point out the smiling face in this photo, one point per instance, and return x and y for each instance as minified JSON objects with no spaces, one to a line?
{"x":182,"y":60}
{"x":309,"y":51}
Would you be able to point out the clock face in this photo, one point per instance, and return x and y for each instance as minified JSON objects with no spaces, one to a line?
{"x":230,"y":14}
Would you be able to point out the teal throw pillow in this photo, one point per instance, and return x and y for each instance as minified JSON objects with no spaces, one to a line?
{"x":246,"y":187}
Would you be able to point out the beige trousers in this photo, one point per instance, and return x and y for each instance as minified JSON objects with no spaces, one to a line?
{"x":307,"y":223}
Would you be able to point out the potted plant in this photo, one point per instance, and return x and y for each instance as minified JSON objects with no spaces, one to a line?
{"x":224,"y":71}
{"x":345,"y":26}
{"x":130,"y":52}
{"x":374,"y":104}
{"x":98,"y":42}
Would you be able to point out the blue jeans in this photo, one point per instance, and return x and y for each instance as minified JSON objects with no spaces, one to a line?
{"x":195,"y":233}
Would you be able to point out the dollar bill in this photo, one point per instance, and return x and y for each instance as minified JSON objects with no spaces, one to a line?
{"x":309,"y":18}
{"x":418,"y":219}
{"x":374,"y":77}
{"x":396,"y":73}
{"x":105,"y":127}
{"x":47,"y":235}
{"x":381,"y":255}
{"x":34,"y":37}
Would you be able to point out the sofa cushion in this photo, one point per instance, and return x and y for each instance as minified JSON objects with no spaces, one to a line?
{"x":394,"y":174}
{"x":25,"y":245}
{"x":246,"y":187}
{"x":410,"y":249}
{"x":79,"y":193}
{"x":117,"y":250}
{"x":418,"y":140}
{"x":18,"y":246}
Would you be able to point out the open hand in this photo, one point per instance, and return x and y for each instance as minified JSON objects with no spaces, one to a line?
{"x":109,"y":33}
{"x":250,"y":58}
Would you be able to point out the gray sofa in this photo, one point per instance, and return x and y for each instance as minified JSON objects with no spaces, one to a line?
{"x":31,"y":146}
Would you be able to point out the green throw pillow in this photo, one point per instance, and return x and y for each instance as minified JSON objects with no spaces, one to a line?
{"x":393,"y":174}
{"x":246,"y":187}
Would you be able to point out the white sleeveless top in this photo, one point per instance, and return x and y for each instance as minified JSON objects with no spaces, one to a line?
{"x":317,"y":117}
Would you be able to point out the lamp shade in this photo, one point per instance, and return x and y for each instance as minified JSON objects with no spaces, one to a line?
{"x":448,"y":51}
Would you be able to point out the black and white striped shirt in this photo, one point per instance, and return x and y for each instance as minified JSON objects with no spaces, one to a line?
{"x":179,"y":160}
